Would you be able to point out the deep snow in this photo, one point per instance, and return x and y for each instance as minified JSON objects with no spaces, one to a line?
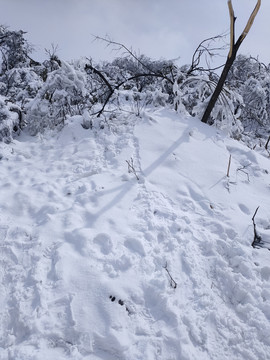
{"x":87,"y":250}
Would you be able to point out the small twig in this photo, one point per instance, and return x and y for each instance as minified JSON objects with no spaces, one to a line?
{"x":242,"y":169}
{"x":229,"y":165}
{"x":131,"y":168}
{"x":126,"y":50}
{"x":266,"y":145}
{"x":173,"y":283}
{"x":205,"y":48}
{"x":257,"y":238}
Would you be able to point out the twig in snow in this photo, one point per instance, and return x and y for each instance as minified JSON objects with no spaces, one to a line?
{"x":227,"y":185}
{"x":242,"y":169}
{"x":266,"y":145}
{"x":229,"y":165}
{"x":173,"y":283}
{"x":257,"y":238}
{"x":131,"y":168}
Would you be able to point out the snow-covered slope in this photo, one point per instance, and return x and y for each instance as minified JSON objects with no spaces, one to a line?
{"x":131,"y":243}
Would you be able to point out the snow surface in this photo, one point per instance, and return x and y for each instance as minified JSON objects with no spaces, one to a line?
{"x":96,"y":264}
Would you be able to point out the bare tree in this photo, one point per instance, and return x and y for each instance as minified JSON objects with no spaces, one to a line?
{"x":234,"y":46}
{"x":145,"y":72}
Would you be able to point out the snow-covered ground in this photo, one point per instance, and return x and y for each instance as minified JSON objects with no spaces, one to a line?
{"x":131,"y":243}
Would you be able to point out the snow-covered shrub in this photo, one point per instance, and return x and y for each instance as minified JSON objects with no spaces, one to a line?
{"x":9,"y":121}
{"x":143,"y":73}
{"x":20,"y":85}
{"x":226,"y":113}
{"x":254,"y":113}
{"x":19,"y":80}
{"x":250,"y":79}
{"x":266,"y":86}
{"x":63,"y":94}
{"x":195,"y":91}
{"x":159,"y":98}
{"x":192,"y":94}
{"x":139,"y":81}
{"x":140,"y":100}
{"x":243,"y":68}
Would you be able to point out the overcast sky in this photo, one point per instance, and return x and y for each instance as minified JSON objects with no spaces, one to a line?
{"x":157,"y":28}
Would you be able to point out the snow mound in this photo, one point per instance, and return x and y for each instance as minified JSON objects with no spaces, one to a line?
{"x":132,"y":243}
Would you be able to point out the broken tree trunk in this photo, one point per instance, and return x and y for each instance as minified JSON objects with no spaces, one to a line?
{"x":234,"y":46}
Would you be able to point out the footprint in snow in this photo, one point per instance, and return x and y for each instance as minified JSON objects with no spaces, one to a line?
{"x":244,"y":209}
{"x":135,"y":245}
{"x":104,"y":242}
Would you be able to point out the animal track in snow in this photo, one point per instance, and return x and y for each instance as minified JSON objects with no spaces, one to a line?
{"x":120,"y":302}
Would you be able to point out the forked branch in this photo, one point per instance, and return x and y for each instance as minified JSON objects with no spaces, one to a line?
{"x":234,"y":46}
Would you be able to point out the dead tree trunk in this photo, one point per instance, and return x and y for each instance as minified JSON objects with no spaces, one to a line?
{"x":234,"y":46}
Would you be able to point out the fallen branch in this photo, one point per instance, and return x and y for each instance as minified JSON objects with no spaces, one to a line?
{"x":131,"y":168}
{"x":173,"y":283}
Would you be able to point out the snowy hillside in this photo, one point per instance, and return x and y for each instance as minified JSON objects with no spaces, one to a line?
{"x":131,"y":243}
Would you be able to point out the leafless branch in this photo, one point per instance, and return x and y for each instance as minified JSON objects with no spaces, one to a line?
{"x":131,"y":168}
{"x":132,"y":54}
{"x":173,"y":283}
{"x":120,"y":47}
{"x":205,"y":48}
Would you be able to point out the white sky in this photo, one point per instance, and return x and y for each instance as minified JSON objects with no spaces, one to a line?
{"x":157,"y":28}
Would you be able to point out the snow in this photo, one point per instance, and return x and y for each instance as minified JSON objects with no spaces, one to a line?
{"x":89,"y":252}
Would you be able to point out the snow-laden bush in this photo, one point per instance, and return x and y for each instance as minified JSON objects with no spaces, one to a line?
{"x":138,"y":101}
{"x":243,"y":68}
{"x":266,"y":86}
{"x":20,"y":85}
{"x":155,"y":71}
{"x":9,"y":121}
{"x":251,"y":80}
{"x":63,"y":94}
{"x":48,"y":93}
{"x":192,"y":94}
{"x":111,"y":85}
{"x":254,"y":113}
